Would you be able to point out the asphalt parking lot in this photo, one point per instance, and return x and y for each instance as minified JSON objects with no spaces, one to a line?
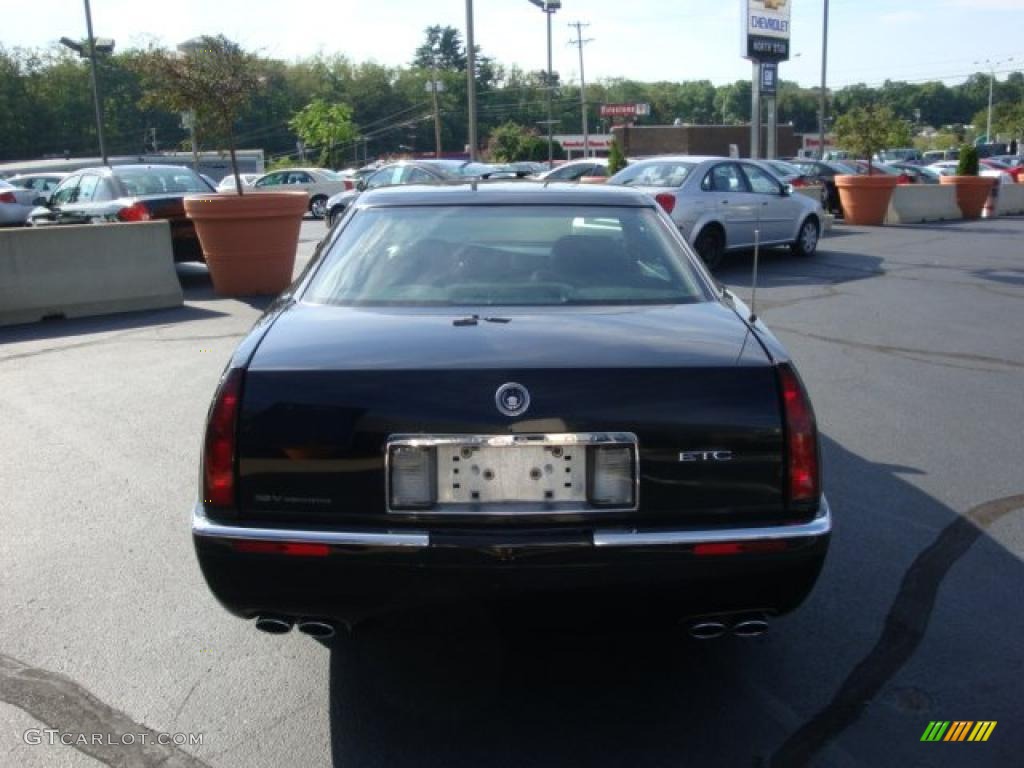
{"x":911,"y":342}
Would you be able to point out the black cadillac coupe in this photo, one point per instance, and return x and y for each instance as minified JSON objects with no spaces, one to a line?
{"x":512,"y":395}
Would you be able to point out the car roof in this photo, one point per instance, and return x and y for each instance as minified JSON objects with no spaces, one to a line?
{"x":110,"y":169}
{"x":505,"y":193}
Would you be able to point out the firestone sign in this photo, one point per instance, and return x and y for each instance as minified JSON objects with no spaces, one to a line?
{"x":766,"y":29}
{"x":625,"y":110}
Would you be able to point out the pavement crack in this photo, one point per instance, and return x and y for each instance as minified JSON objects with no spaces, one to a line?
{"x":63,"y":705}
{"x":904,"y":629}
{"x":963,"y":360}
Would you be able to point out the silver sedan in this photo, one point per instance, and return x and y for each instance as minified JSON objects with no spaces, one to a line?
{"x":16,"y":203}
{"x":722,"y":205}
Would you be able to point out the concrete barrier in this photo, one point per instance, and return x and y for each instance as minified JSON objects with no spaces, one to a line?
{"x":1011,"y":200}
{"x":915,"y":203}
{"x":78,"y":271}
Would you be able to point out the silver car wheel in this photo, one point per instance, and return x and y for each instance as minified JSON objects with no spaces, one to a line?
{"x":807,"y":241}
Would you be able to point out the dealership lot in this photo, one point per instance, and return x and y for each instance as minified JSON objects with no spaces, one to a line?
{"x":911,"y":343}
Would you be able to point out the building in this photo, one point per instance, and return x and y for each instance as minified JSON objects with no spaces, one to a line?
{"x":724,"y":140}
{"x":216,"y":165}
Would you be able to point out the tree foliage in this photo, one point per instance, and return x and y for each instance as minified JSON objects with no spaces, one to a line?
{"x":214,"y":78}
{"x":616,"y":160}
{"x":967,"y":165}
{"x":324,"y":126}
{"x":865,"y":131}
{"x":442,"y":49}
{"x":511,"y":143}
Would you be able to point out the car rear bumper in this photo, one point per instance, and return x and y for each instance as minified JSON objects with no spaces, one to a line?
{"x":358,"y":574}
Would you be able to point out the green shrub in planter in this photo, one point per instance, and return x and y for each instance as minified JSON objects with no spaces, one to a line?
{"x":968,"y":165}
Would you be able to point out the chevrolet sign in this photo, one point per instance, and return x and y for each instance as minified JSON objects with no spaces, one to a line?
{"x":766,"y":29}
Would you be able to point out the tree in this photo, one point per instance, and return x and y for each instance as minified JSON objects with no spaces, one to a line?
{"x":968,"y":162}
{"x":511,"y":143}
{"x":324,"y":125}
{"x":616,"y":160}
{"x":442,"y":49}
{"x":867,"y":130}
{"x":214,"y":78}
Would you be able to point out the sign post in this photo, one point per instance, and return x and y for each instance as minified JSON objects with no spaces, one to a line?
{"x":765,"y":42}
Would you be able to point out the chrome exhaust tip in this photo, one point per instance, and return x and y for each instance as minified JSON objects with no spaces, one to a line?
{"x":321,"y":630}
{"x":706,"y":629}
{"x":274,"y":625}
{"x":753,"y":626}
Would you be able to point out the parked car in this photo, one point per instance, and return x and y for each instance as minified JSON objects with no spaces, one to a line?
{"x":406,"y":172}
{"x":938,"y":155}
{"x":522,"y":397}
{"x":128,"y":193}
{"x":574,"y":170}
{"x":919,"y":174}
{"x":905,"y":155}
{"x":881,"y":169}
{"x":949,"y":167}
{"x":16,"y":203}
{"x":795,"y":177}
{"x":228,"y":183}
{"x":1015,"y":171}
{"x":320,"y":183}
{"x":824,"y":173}
{"x":718,"y":204}
{"x":42,"y":183}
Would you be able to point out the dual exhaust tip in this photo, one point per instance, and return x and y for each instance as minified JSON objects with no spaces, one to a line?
{"x":282,"y":625}
{"x":711,"y":628}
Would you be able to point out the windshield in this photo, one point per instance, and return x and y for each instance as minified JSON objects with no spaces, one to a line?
{"x":657,"y":174}
{"x":505,"y":255}
{"x":156,"y":181}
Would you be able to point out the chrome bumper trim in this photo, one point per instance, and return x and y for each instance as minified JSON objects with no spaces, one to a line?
{"x":203,"y":526}
{"x":819,"y":526}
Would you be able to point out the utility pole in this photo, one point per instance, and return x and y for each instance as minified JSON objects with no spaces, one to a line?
{"x":435,"y":86}
{"x":824,"y":83}
{"x":471,"y":80}
{"x":991,"y":64}
{"x":579,"y":42}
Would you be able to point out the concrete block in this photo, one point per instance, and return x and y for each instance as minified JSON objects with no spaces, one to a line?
{"x":1011,"y":199}
{"x":915,"y":203}
{"x":78,"y":271}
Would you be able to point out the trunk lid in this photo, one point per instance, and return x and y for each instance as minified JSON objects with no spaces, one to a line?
{"x":328,"y":386}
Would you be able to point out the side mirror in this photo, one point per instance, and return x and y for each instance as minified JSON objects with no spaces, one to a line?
{"x":787,"y":190}
{"x":43,"y":200}
{"x":361,"y":185}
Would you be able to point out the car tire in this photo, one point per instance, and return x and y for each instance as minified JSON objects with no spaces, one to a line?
{"x":806,"y":242}
{"x":318,"y":207}
{"x":710,"y":246}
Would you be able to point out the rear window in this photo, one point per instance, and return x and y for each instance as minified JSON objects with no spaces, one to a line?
{"x":665,"y":174}
{"x":158,"y":181}
{"x":505,"y":255}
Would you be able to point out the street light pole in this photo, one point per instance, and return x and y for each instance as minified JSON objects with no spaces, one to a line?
{"x":551,"y":140}
{"x":471,"y":80}
{"x":579,"y":43}
{"x":991,"y":87}
{"x":824,"y":83}
{"x":95,"y":83}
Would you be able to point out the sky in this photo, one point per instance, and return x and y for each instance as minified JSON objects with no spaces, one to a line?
{"x":869,"y":40}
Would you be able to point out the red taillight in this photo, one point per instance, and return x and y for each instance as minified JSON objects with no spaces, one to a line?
{"x":8,"y":197}
{"x":134,"y":212}
{"x":349,"y":185}
{"x":219,"y":448}
{"x":294,"y":549}
{"x":801,"y":439}
{"x":798,"y":182}
{"x":666,"y":201}
{"x":718,"y":549}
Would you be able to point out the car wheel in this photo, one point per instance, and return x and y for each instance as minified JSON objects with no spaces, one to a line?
{"x":807,"y":241}
{"x":710,"y":246}
{"x":318,"y":206}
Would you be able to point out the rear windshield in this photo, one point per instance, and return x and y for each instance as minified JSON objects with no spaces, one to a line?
{"x":158,"y":181}
{"x":663,"y":174}
{"x":505,"y":255}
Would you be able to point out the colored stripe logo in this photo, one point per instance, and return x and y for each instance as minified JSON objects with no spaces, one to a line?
{"x":958,"y":730}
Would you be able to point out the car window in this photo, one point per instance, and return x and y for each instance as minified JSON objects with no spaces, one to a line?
{"x":659,"y":174}
{"x":724,"y":177}
{"x":87,"y":188}
{"x":570,"y":172}
{"x":520,"y":255}
{"x":67,"y":191}
{"x":270,"y":180}
{"x":159,"y":180}
{"x":414,"y":175}
{"x":761,"y":182}
{"x":300,"y":177}
{"x":104,"y":191}
{"x":385,"y":177}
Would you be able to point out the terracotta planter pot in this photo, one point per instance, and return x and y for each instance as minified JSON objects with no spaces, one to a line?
{"x":971,"y":193}
{"x":249,"y":240}
{"x":865,"y":199}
